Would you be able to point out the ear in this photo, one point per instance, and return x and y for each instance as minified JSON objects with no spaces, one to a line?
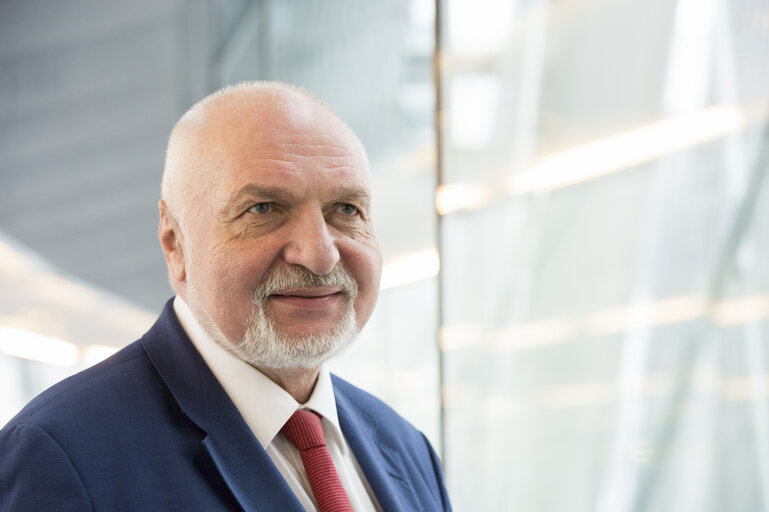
{"x":171,"y":242}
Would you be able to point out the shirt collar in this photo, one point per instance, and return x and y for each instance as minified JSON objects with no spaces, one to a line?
{"x":252,"y":392}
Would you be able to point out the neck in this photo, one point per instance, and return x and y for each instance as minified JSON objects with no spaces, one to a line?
{"x":297,"y":382}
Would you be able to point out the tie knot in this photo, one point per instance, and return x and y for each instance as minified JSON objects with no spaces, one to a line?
{"x":304,"y":430}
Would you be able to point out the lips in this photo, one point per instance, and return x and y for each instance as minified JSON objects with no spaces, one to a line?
{"x":309,"y":299}
{"x":309,"y":293}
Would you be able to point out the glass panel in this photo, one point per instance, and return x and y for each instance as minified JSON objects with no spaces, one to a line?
{"x":606,"y":314}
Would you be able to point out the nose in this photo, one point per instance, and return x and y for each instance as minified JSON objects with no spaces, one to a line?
{"x":310,"y":243}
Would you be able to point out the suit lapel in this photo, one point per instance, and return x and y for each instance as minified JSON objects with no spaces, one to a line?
{"x":242,"y":462}
{"x":246,"y":467}
{"x":381,"y":464}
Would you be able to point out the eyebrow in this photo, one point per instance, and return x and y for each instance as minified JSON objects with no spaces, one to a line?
{"x":359,"y":194}
{"x":269,"y":193}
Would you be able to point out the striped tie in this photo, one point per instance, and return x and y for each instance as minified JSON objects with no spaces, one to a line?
{"x":305,"y":432}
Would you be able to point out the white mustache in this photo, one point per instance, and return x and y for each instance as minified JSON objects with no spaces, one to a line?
{"x":281,"y":279}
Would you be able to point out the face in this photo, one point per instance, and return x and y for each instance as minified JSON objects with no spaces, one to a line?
{"x":279,"y":248}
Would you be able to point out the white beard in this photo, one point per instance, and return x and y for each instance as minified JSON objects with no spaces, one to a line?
{"x":262,"y":344}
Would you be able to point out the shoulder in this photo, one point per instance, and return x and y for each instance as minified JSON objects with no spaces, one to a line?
{"x":87,"y":390}
{"x":98,"y":400}
{"x":367,"y":411}
{"x":127,"y":380}
{"x":45,"y":444}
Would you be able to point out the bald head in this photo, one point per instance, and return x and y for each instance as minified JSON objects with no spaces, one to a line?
{"x":204,"y":138}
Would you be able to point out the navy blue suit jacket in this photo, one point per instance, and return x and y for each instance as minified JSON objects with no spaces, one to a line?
{"x":151,"y":429}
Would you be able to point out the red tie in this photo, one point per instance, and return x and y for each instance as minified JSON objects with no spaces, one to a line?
{"x":305,"y":432}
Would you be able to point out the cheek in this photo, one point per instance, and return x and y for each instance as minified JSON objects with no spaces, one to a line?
{"x":235,"y":276}
{"x":225,"y":268}
{"x":365,"y":265}
{"x":235,"y":272}
{"x":240,"y":270}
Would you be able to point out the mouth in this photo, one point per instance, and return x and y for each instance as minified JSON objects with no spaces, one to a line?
{"x":307,"y":299}
{"x":309,"y":293}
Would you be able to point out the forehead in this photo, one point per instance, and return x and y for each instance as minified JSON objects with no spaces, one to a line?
{"x":301,"y":152}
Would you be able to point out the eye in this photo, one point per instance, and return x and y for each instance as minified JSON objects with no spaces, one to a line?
{"x":348,"y":209}
{"x":261,"y":208}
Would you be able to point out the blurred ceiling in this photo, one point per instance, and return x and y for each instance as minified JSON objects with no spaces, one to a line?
{"x":88,"y":93}
{"x":57,"y":311}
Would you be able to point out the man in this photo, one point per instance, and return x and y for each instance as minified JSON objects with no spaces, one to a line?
{"x":265,"y":223}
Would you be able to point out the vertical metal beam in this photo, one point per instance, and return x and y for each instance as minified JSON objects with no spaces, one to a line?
{"x":439,"y":180}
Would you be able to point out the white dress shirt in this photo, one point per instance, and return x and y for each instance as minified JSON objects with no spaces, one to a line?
{"x":266,"y":407}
